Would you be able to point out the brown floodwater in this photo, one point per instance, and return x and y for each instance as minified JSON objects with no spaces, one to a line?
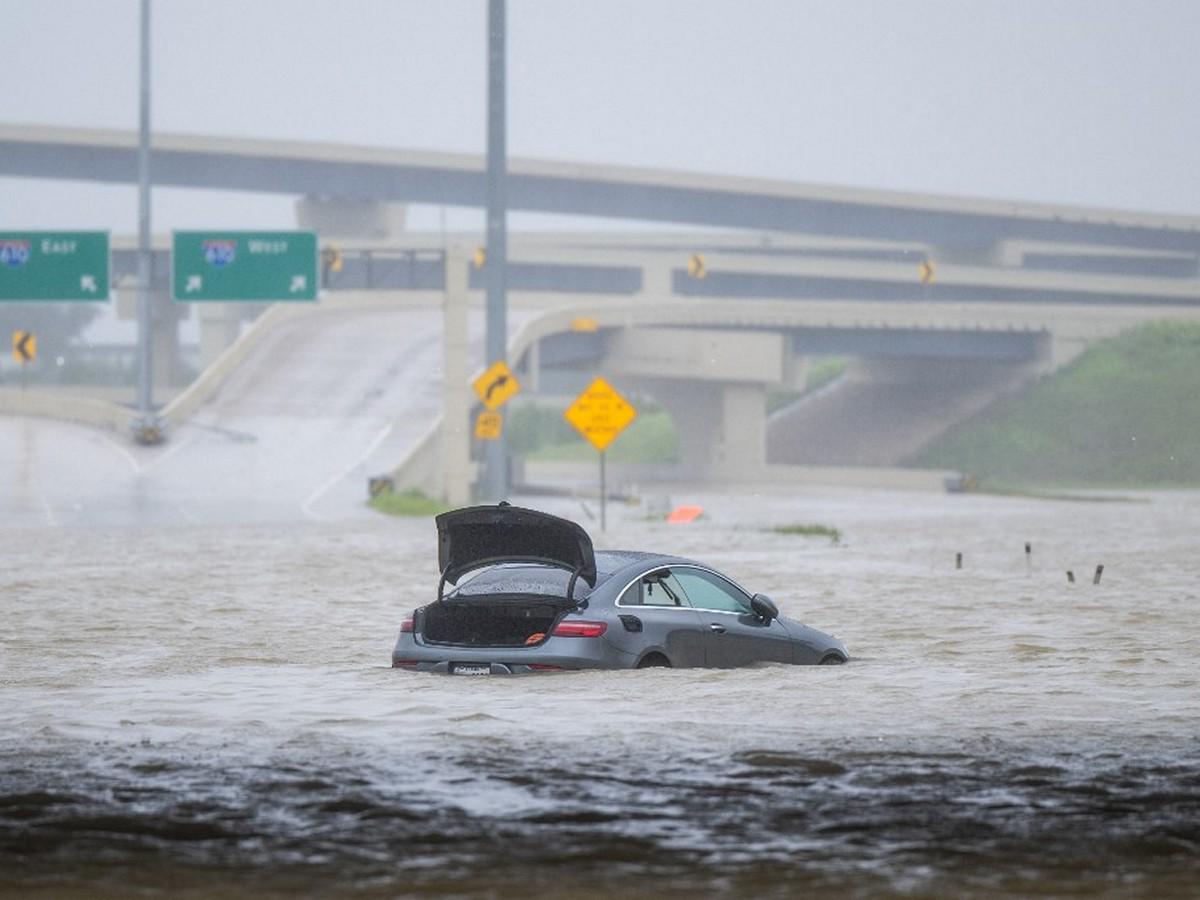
{"x":208,"y":709}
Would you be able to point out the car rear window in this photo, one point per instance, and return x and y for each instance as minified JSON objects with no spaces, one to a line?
{"x":522,"y":579}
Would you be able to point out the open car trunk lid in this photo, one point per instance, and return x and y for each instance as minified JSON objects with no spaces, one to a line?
{"x":485,"y":535}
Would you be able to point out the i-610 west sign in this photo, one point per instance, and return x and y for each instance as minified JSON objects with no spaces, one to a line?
{"x":244,"y":265}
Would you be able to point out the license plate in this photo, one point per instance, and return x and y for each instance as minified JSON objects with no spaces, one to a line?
{"x":472,"y":670}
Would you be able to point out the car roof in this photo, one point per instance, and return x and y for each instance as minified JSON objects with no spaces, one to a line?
{"x":610,"y":561}
{"x":527,"y":577}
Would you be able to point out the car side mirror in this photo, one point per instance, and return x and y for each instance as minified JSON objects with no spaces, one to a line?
{"x":764,"y":607}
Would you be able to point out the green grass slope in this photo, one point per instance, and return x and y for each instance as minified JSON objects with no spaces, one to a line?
{"x":1126,"y":412}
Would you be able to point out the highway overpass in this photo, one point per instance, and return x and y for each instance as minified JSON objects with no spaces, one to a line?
{"x":810,"y":269}
{"x":958,"y":227}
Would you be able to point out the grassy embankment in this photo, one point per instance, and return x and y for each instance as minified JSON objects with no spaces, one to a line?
{"x":407,"y":503}
{"x":1125,"y":413}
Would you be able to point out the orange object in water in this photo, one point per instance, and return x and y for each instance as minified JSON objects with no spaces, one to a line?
{"x":535,"y":637}
{"x":685,"y":514}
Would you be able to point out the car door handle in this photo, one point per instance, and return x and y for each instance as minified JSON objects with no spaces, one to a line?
{"x":719,"y":629}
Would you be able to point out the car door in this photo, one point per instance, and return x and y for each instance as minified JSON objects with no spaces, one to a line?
{"x":735,"y":635}
{"x":654,"y":613}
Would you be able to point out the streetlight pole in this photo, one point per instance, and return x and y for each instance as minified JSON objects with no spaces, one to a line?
{"x":495,"y":472}
{"x":146,"y":429}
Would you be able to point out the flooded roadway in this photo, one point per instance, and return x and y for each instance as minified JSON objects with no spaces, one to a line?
{"x":195,"y":696}
{"x":197,"y":709}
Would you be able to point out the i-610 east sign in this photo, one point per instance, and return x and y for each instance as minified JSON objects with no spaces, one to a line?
{"x":244,"y":265}
{"x":54,"y":265}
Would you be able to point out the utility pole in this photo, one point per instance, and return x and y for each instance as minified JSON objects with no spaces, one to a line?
{"x":146,"y":429}
{"x":495,"y":462}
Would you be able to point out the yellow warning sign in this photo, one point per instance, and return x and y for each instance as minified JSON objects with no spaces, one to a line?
{"x":24,"y":346}
{"x":496,"y":385}
{"x":927,"y":272}
{"x":489,"y":426}
{"x":697,"y":268}
{"x":600,"y":413}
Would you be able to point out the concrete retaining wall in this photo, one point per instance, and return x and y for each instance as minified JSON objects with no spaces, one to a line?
{"x":66,"y":408}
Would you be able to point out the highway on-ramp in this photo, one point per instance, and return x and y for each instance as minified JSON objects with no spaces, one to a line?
{"x":321,"y":403}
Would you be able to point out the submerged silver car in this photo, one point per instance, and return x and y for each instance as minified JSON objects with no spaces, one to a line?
{"x":540,"y":599}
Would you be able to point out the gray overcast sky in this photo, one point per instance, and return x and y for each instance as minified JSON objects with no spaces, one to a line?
{"x":1074,"y":101}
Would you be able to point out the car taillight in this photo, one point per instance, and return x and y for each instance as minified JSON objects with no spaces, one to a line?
{"x":579,"y":628}
{"x":406,"y":626}
{"x":397,"y":663}
{"x":545,"y":667}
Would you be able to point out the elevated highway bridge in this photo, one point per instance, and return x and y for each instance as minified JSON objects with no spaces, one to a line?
{"x":978,"y":228}
{"x":795,"y":270}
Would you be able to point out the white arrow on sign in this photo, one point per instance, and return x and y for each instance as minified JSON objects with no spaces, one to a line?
{"x":299,"y":283}
{"x":88,"y":283}
{"x":194,"y":283}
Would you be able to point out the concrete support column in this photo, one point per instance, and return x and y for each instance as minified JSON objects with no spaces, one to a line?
{"x":692,"y":409}
{"x":165,"y":316}
{"x":220,"y":325}
{"x":722,"y":426}
{"x":657,"y":281}
{"x":533,"y":368}
{"x":456,"y":400}
{"x":741,"y":449}
{"x":165,"y":338}
{"x":345,"y":217}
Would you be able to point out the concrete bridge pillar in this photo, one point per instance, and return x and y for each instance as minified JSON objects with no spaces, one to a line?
{"x":722,"y":426}
{"x":347,"y":217}
{"x":165,"y":316}
{"x":164,"y":353}
{"x":714,"y":385}
{"x":456,"y":399}
{"x":220,"y":325}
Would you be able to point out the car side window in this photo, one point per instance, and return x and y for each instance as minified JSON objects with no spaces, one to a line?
{"x":660,"y":588}
{"x":707,"y":591}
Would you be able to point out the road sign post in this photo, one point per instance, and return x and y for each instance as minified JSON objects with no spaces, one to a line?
{"x":600,"y":414}
{"x":244,"y":266}
{"x":146,"y":428}
{"x":64,"y":266}
{"x":495,"y":258}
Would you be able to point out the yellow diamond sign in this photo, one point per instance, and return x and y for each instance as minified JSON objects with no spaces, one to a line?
{"x":600,"y":413}
{"x":496,"y":385}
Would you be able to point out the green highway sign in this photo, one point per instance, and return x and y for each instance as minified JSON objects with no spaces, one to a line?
{"x":54,"y":265}
{"x":244,"y":265}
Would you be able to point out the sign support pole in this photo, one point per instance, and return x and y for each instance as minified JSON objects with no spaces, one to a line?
{"x":603,"y":494}
{"x":145,"y":427}
{"x":495,"y":459}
